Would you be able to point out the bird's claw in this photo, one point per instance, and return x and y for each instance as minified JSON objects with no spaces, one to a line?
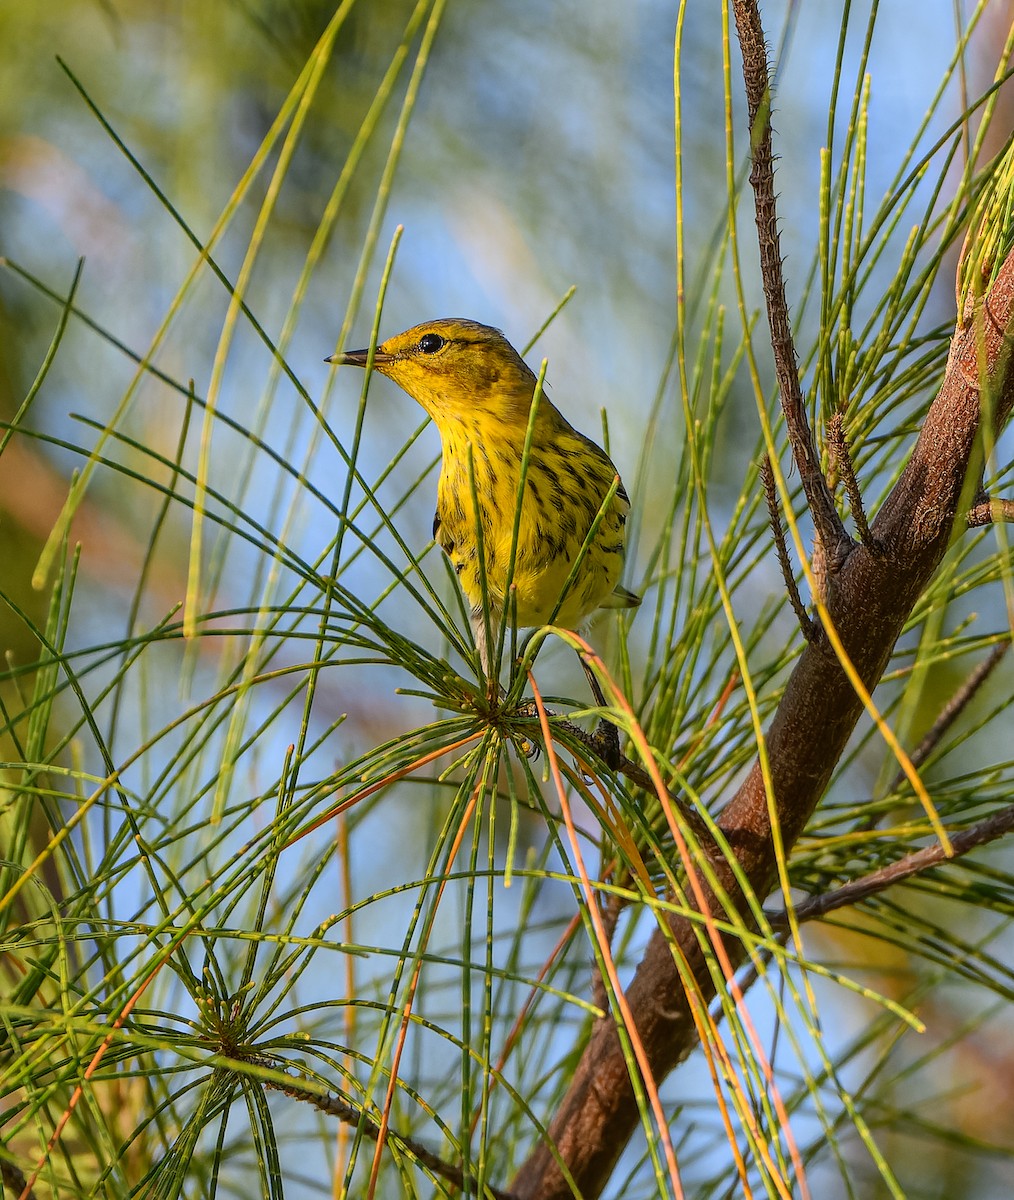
{"x":530,"y":749}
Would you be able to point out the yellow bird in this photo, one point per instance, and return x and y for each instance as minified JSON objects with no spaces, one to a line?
{"x":478,"y":390}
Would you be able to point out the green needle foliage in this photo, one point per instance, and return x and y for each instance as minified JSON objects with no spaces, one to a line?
{"x":288,"y":904}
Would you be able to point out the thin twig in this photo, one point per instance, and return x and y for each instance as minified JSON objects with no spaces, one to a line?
{"x":640,"y":778}
{"x":843,"y":461}
{"x":989,"y":512}
{"x":830,"y":530}
{"x":989,"y":830}
{"x":334,"y":1106}
{"x":945,"y":719}
{"x":953,"y":709}
{"x":775,"y":519}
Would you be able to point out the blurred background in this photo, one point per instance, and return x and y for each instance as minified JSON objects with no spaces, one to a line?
{"x":538,"y":158}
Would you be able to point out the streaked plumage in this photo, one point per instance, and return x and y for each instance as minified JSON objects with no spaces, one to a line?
{"x":478,"y":391}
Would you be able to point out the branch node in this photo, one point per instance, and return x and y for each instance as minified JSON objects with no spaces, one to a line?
{"x":990,"y":511}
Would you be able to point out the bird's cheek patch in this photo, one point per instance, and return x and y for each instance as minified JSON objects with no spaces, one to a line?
{"x":484,"y":377}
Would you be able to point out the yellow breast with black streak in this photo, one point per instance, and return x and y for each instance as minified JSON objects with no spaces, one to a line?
{"x":479,"y":392}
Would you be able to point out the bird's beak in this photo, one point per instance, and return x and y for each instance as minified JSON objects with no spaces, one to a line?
{"x":358,"y":358}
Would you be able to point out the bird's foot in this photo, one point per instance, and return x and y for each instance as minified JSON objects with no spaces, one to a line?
{"x":530,"y":749}
{"x":607,"y":744}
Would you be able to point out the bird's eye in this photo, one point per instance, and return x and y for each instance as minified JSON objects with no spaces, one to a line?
{"x":430,"y":343}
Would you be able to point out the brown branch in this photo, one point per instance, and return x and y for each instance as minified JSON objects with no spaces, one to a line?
{"x":869,"y":605}
{"x":775,"y":520}
{"x":989,"y":512}
{"x":334,"y":1106}
{"x":855,"y":890}
{"x":835,"y":541}
{"x":843,"y":460}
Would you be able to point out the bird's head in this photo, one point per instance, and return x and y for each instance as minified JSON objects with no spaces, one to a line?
{"x":455,"y":368}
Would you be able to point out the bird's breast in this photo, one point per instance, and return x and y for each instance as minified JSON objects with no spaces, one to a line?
{"x":564,"y":489}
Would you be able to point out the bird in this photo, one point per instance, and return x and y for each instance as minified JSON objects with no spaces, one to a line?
{"x":479,"y":391}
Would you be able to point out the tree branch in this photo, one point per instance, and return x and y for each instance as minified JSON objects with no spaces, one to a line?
{"x":840,"y":449}
{"x":988,"y":830}
{"x":640,"y":778}
{"x":872,"y":599}
{"x":334,"y":1106}
{"x":831,"y":533}
{"x":807,"y":626}
{"x":950,"y":712}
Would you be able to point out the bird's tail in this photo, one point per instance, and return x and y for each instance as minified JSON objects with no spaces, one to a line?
{"x":621,"y":597}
